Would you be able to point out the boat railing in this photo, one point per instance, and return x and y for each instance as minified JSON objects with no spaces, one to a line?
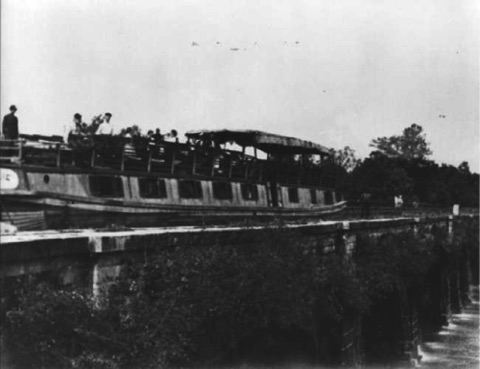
{"x":168,"y":158}
{"x":11,"y":150}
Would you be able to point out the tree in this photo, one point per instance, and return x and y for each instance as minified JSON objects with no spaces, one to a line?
{"x":345,"y":158}
{"x":464,"y":168}
{"x":398,"y":183}
{"x":411,"y":144}
{"x":381,"y":176}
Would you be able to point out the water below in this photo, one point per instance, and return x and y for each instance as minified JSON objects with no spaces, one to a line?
{"x":456,"y":346}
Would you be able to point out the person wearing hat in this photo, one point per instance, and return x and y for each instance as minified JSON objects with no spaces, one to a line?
{"x":10,"y":125}
{"x":77,"y":128}
{"x":105,"y":128}
{"x":172,"y":136}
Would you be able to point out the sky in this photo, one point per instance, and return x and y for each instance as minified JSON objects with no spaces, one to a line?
{"x":339,"y":73}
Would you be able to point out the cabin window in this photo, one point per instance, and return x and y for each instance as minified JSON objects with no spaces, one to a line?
{"x":106,"y":186}
{"x":328,"y":198}
{"x":313,"y":196}
{"x":222,"y":190}
{"x":190,"y":189}
{"x":152,"y":188}
{"x":293,"y":194}
{"x":249,"y":191}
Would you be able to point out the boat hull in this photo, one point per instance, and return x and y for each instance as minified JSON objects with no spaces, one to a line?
{"x":97,"y":199}
{"x":68,"y":213}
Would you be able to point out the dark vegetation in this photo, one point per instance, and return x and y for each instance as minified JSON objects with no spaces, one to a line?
{"x":271,"y":300}
{"x":399,"y":165}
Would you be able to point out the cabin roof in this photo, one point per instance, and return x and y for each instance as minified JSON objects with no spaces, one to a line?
{"x":267,"y":142}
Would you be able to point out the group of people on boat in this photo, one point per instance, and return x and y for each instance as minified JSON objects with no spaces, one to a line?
{"x":102,"y":125}
{"x":103,"y":135}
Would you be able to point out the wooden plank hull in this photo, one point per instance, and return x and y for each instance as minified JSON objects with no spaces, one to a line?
{"x":98,"y":199}
{"x":68,"y":213}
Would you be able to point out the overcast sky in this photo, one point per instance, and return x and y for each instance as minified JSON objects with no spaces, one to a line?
{"x":339,"y":73}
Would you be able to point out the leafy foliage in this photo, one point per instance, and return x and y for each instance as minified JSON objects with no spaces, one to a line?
{"x":427,"y":181}
{"x":55,"y":328}
{"x":410,"y":145}
{"x":399,"y":166}
{"x":345,"y":158}
{"x":202,"y":304}
{"x":395,"y":263}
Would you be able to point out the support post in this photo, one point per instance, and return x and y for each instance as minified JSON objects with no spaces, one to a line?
{"x":149,"y":165}
{"x":344,"y":242}
{"x":194,"y":164}
{"x":416,"y":222}
{"x":450,"y":228}
{"x":172,"y":164}
{"x":212,"y":168}
{"x":20,"y":150}
{"x":58,"y":161}
{"x":92,"y":158}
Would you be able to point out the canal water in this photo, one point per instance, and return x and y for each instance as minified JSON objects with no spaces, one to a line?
{"x":456,"y":346}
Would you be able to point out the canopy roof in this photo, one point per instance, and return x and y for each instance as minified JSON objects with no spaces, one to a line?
{"x":267,"y":142}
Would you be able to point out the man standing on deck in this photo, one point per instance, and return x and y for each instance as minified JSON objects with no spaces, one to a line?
{"x":105,"y":128}
{"x":10,"y":125}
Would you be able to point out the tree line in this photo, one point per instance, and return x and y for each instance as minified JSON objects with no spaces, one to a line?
{"x":401,"y":165}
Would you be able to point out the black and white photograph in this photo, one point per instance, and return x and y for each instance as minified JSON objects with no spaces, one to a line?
{"x":239,"y":184}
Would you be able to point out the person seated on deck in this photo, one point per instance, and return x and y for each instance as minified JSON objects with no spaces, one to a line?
{"x":84,"y":129}
{"x":128,"y":132}
{"x":157,"y":136}
{"x":150,"y":135}
{"x":77,"y":128}
{"x":136,"y":131}
{"x":129,"y":148}
{"x":172,"y":136}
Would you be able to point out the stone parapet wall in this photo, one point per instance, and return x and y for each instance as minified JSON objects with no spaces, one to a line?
{"x":32,"y":252}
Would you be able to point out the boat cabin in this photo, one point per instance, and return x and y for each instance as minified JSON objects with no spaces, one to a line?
{"x":199,"y":178}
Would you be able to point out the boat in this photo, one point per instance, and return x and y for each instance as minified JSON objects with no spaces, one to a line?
{"x":105,"y":181}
